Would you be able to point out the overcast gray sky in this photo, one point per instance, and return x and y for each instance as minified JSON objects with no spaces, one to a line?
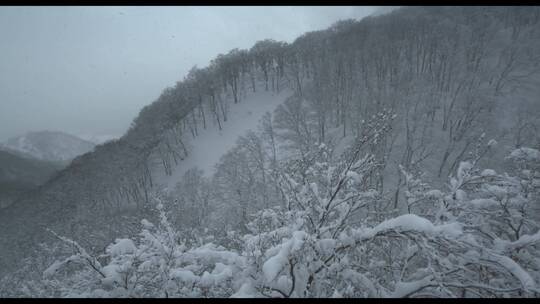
{"x":89,"y":70}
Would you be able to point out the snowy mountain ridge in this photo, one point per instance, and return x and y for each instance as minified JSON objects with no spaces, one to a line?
{"x":49,"y":145}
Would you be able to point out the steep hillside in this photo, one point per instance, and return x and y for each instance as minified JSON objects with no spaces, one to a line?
{"x":209,"y":146}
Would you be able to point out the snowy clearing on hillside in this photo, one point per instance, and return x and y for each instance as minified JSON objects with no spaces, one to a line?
{"x":207,"y":148}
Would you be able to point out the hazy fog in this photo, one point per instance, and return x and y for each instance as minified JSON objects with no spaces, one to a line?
{"x":89,"y":70}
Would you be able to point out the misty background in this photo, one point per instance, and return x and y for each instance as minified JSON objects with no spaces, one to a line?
{"x":89,"y":70}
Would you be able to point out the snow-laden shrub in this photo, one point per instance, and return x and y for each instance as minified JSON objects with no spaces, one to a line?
{"x":154,"y":264}
{"x":474,"y":239}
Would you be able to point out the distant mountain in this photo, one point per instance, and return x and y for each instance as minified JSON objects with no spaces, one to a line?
{"x":49,"y":145}
{"x":20,"y":174}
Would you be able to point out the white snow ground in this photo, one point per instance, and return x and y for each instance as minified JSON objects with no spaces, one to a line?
{"x":207,"y":148}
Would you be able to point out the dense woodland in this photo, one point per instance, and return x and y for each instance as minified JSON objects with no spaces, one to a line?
{"x":405,"y":163}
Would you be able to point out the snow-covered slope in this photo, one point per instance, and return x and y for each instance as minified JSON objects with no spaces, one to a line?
{"x":206,"y":149}
{"x":49,"y":145}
